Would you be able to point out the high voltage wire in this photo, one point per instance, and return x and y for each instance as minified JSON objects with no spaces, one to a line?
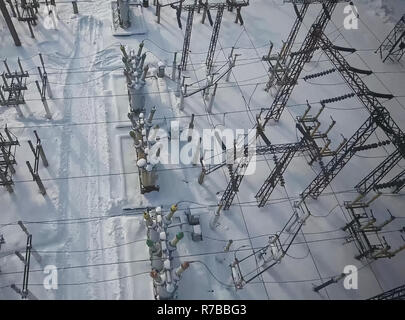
{"x":126,"y":94}
{"x":89,"y":282}
{"x":114,"y":174}
{"x":144,"y":240}
{"x":202,"y":63}
{"x":170,"y":117}
{"x":134,"y":211}
{"x":179,"y":256}
{"x":379,"y":80}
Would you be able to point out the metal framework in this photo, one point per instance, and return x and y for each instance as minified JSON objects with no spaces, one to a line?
{"x":8,"y":145}
{"x":380,"y":117}
{"x":38,"y":152}
{"x":283,"y":94}
{"x":197,"y":4}
{"x":307,"y":143}
{"x":271,"y":149}
{"x":296,"y":64}
{"x":393,"y":46}
{"x":28,"y":13}
{"x":309,"y":127}
{"x":214,"y":39}
{"x":374,"y":177}
{"x":286,"y":49}
{"x":288,"y":150}
{"x":232,"y":188}
{"x":15,"y":88}
{"x":340,"y":159}
{"x":274,"y":178}
{"x":27,"y":266}
{"x":187,"y":36}
{"x":365,"y":233}
{"x":271,"y":254}
{"x":278,"y":69}
{"x":397,"y":183}
{"x":301,"y":12}
{"x":397,"y":293}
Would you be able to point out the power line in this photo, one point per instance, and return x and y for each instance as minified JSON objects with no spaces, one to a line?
{"x":179,"y":256}
{"x":138,"y":211}
{"x":89,"y":282}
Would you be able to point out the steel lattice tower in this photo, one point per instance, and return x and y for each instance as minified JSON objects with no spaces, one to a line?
{"x":283,"y":93}
{"x":374,"y":177}
{"x":214,"y":39}
{"x":380,"y":117}
{"x":187,"y":36}
{"x":397,"y":293}
{"x":394,"y":46}
{"x":298,"y":61}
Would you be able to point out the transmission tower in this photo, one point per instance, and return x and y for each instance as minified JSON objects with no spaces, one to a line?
{"x":237,"y":174}
{"x":187,"y":35}
{"x":214,"y":39}
{"x":373,"y":178}
{"x":207,"y":6}
{"x":397,"y":293}
{"x":393,"y":46}
{"x":278,"y":69}
{"x":380,"y":117}
{"x":298,"y":60}
{"x":274,"y":178}
{"x":284,"y":92}
{"x":8,"y":145}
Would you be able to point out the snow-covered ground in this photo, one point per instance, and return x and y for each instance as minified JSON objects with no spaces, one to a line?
{"x":80,"y":225}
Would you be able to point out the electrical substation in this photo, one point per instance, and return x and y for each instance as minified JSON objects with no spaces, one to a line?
{"x":202,"y":149}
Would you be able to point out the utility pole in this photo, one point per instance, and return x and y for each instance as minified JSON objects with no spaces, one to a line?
{"x":9,"y":23}
{"x":25,"y":292}
{"x":44,"y":88}
{"x":38,"y":152}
